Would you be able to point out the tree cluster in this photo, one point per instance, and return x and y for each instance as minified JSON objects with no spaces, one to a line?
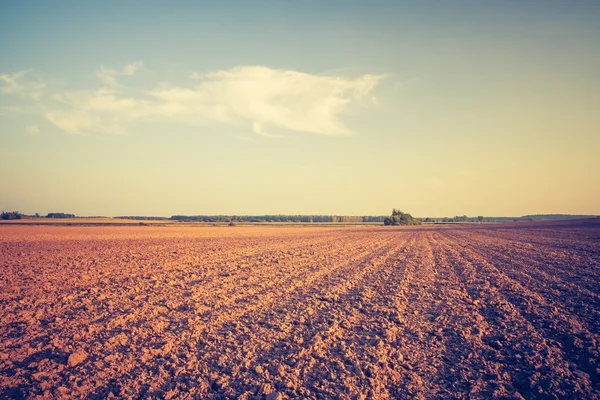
{"x":400,"y":218}
{"x":11,"y":215}
{"x":60,"y":215}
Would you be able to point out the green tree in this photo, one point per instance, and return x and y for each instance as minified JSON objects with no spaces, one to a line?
{"x":400,"y":218}
{"x":11,"y":215}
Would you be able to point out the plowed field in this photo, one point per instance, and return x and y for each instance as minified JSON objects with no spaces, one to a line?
{"x":501,"y":311}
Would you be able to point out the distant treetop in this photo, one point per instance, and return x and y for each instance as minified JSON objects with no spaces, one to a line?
{"x":400,"y":218}
{"x":60,"y":215}
{"x":11,"y":215}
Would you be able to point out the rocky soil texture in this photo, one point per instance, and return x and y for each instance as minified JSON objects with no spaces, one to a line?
{"x":502,"y":311}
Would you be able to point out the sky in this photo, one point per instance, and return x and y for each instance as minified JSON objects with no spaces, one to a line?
{"x":348,"y":108}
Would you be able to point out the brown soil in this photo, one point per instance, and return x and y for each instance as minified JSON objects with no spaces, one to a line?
{"x":473,"y":311}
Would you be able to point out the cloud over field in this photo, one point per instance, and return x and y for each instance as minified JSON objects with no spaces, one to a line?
{"x":267,"y":101}
{"x":109,"y":76}
{"x":32,"y":130}
{"x":18,"y":83}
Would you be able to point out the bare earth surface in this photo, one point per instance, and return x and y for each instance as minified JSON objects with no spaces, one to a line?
{"x":475,"y":311}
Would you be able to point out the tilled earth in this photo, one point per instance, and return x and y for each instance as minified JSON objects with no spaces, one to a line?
{"x":501,"y":311}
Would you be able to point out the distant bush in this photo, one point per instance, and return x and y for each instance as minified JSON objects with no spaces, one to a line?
{"x":400,"y":218}
{"x":60,"y":215}
{"x":11,"y":215}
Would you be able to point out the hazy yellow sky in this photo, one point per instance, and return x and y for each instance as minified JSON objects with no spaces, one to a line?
{"x":439,"y":109}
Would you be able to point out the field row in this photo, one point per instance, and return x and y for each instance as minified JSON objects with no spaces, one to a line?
{"x":362,"y":312}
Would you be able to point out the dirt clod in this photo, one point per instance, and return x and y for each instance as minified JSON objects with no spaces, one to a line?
{"x":275,"y":396}
{"x":77,"y":357}
{"x":265,"y":389}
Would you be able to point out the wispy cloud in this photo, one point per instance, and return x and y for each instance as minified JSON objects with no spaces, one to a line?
{"x":269,"y":102}
{"x":18,"y":83}
{"x":283,"y":99}
{"x":258,"y":128}
{"x":83,"y":122}
{"x":103,"y":111}
{"x":32,"y":130}
{"x":109,"y":76}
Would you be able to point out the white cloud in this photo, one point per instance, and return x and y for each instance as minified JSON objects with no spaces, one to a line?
{"x":10,"y":82}
{"x":17,"y":83}
{"x":268,"y":98}
{"x":267,"y":101}
{"x":132,"y":68}
{"x":109,"y":76}
{"x":257,"y":128}
{"x":99,"y":112}
{"x":82,"y":122}
{"x":32,"y":130}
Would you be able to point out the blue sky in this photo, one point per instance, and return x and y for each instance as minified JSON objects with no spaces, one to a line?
{"x":437,"y":108}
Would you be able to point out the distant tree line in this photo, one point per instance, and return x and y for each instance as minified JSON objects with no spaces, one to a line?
{"x":60,"y":215}
{"x":141,"y":218}
{"x":397,"y":218}
{"x":480,"y":218}
{"x":278,"y":218}
{"x":10,"y":215}
{"x":464,"y":218}
{"x":400,"y":218}
{"x":553,"y":217}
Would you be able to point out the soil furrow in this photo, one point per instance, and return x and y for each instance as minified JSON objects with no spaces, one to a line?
{"x":551,"y":260}
{"x":569,"y":297}
{"x":465,"y":311}
{"x":571,"y":348}
{"x":513,"y":349}
{"x":191,"y":331}
{"x":298,"y":322}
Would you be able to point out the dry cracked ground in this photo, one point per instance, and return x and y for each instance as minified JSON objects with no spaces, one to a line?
{"x":502,"y":311}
